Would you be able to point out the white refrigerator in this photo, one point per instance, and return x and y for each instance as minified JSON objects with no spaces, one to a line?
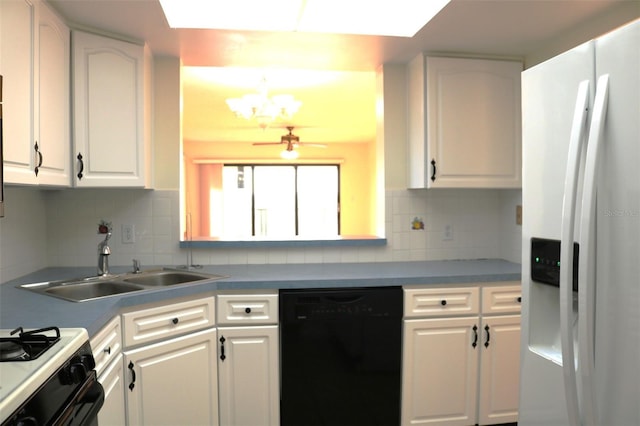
{"x":580,"y":353}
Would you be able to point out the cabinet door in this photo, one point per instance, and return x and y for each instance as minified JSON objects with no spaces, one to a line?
{"x":248,"y":369}
{"x":473,"y":123}
{"x":106,"y":345}
{"x":53,"y":136}
{"x":500,"y":369}
{"x":440,"y":371}
{"x":173,"y":382}
{"x":112,"y":412}
{"x":464,"y":123}
{"x":108,"y":108}
{"x":18,"y":44}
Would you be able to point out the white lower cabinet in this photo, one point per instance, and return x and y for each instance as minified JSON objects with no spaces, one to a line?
{"x":440,"y":371}
{"x":248,"y":376}
{"x":499,"y":370}
{"x":112,"y":412}
{"x":169,"y":363}
{"x":107,"y":352}
{"x":461,"y":363}
{"x":173,"y":382}
{"x":248,"y":359}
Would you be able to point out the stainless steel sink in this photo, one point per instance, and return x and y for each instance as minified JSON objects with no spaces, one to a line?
{"x":90,"y":288}
{"x":166,"y":277}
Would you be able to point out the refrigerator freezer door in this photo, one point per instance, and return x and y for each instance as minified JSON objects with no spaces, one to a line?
{"x":609,"y":339}
{"x":617,"y":337}
{"x":549,"y":98}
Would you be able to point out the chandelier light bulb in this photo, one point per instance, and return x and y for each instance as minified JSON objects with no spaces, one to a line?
{"x":261,"y":107}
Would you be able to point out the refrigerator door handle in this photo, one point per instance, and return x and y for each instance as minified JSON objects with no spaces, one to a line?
{"x":576,"y":138}
{"x":586,"y":266}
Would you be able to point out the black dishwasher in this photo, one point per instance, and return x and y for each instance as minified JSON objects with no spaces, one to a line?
{"x":340,"y":356}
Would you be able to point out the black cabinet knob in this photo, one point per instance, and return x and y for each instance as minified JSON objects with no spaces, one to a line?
{"x":247,"y":310}
{"x":443,"y":302}
{"x":519,"y":299}
{"x":175,"y":320}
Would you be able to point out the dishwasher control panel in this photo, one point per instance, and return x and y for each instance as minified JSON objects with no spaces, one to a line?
{"x":323,"y":304}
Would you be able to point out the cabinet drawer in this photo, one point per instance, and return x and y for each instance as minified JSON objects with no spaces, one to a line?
{"x":431,"y":302}
{"x":162,"y":322}
{"x":501,"y":299}
{"x":106,"y":345}
{"x":247,"y":309}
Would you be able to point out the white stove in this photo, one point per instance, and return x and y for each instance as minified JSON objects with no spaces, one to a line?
{"x":47,"y":375}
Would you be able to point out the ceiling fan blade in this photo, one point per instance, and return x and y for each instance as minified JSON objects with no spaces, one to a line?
{"x":314,"y":145}
{"x":267,"y":143}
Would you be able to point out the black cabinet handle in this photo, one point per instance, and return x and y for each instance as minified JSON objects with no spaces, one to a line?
{"x":39,"y":154}
{"x":475,"y":336}
{"x":79,"y":157}
{"x":443,"y":302}
{"x":247,"y":310}
{"x":433,"y":174}
{"x":107,"y":350}
{"x":519,"y":299}
{"x":222,"y":355}
{"x":133,"y":376}
{"x":486,"y":344}
{"x":175,"y":320}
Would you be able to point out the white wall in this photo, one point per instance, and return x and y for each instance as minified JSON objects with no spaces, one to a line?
{"x":624,"y":12}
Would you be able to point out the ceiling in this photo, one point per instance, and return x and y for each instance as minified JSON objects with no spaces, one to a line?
{"x":341,"y":106}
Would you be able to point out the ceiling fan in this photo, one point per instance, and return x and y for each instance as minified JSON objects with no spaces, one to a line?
{"x":292,"y":141}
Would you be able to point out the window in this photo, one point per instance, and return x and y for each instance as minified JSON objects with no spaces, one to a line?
{"x":278,"y":201}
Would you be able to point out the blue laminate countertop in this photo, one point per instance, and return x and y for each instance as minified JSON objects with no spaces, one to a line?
{"x":19,"y":307}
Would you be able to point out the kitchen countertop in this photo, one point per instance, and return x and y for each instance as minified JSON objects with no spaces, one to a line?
{"x":19,"y":307}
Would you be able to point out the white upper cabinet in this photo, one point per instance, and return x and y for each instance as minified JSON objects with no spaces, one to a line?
{"x":464,"y":123}
{"x":18,"y":68}
{"x":35,"y":66}
{"x":54,"y":120}
{"x":111,"y":106}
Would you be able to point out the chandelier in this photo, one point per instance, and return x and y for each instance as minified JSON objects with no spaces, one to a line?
{"x":262,"y":108}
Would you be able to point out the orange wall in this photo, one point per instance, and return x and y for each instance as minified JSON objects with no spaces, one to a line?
{"x":356,"y":174}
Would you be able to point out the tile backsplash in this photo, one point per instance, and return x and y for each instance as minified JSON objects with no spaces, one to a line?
{"x":23,"y":232}
{"x":59,"y":228}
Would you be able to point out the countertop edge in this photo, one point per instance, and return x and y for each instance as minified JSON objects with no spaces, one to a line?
{"x":19,"y":307}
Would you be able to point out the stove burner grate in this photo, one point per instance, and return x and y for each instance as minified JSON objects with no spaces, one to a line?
{"x":28,"y":345}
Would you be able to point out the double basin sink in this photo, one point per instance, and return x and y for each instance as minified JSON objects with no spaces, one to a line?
{"x":90,"y":288}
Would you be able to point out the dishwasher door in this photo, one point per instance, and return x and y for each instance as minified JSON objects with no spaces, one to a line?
{"x":341,"y":356}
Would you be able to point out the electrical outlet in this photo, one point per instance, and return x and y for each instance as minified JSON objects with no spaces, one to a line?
{"x":128,"y":234}
{"x":447,"y":233}
{"x":518,"y":215}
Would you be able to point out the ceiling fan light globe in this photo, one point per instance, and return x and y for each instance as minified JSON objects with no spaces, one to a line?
{"x":289,"y":154}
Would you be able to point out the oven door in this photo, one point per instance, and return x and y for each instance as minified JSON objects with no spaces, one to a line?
{"x":83,"y":407}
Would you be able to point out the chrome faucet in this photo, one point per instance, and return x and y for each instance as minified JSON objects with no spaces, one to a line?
{"x":103,"y":256}
{"x":136,"y":266}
